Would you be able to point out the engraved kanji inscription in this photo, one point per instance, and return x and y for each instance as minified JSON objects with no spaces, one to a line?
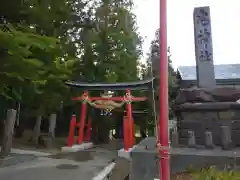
{"x":202,"y":17}
{"x":205,"y":55}
{"x":203,"y":36}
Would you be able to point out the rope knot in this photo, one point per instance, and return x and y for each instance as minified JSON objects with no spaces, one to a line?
{"x":85,"y":98}
{"x":163,"y":150}
{"x":128,"y":98}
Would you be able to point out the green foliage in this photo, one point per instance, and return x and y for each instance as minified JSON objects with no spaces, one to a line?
{"x":212,"y":173}
{"x":44,"y":43}
{"x":19,"y":63}
{"x":34,"y":60}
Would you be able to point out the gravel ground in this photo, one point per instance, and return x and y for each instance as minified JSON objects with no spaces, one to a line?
{"x":15,"y":159}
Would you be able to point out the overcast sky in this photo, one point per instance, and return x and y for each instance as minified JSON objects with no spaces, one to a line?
{"x":225,"y":28}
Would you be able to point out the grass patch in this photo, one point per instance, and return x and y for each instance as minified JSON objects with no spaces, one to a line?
{"x":213,"y":173}
{"x":209,"y":173}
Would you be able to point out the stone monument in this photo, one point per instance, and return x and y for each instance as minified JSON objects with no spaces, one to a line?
{"x":203,"y":47}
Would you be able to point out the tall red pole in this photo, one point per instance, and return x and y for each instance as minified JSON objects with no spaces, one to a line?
{"x":82,"y":121}
{"x":163,"y":82}
{"x":125,"y":133}
{"x":129,"y":117}
{"x":71,"y":131}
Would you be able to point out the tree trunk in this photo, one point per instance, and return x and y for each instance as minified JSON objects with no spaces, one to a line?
{"x":37,"y":130}
{"x":1,"y":131}
{"x":52,"y":125}
{"x":8,"y":133}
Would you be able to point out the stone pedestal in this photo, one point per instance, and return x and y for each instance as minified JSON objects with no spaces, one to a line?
{"x":209,"y":140}
{"x":77,"y":147}
{"x":125,"y":154}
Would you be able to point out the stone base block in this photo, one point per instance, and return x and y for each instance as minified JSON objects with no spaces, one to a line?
{"x":125,"y":154}
{"x":77,"y":147}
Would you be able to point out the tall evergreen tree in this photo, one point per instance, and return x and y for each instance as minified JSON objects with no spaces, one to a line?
{"x":111,"y":49}
{"x":153,"y":70}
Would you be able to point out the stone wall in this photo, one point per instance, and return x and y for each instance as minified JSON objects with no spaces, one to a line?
{"x":145,"y":161}
{"x":202,"y":118}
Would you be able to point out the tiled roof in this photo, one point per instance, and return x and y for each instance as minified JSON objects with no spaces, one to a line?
{"x":222,"y":71}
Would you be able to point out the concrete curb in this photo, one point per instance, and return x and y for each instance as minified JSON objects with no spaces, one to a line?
{"x":105,"y":172}
{"x":28,"y":152}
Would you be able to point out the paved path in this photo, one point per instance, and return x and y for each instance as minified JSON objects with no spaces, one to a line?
{"x":74,"y":166}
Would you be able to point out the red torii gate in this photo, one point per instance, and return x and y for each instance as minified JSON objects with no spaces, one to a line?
{"x":128,"y":126}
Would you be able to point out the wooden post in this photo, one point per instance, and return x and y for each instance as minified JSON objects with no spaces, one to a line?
{"x":37,"y":130}
{"x":8,"y":133}
{"x":52,"y":124}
